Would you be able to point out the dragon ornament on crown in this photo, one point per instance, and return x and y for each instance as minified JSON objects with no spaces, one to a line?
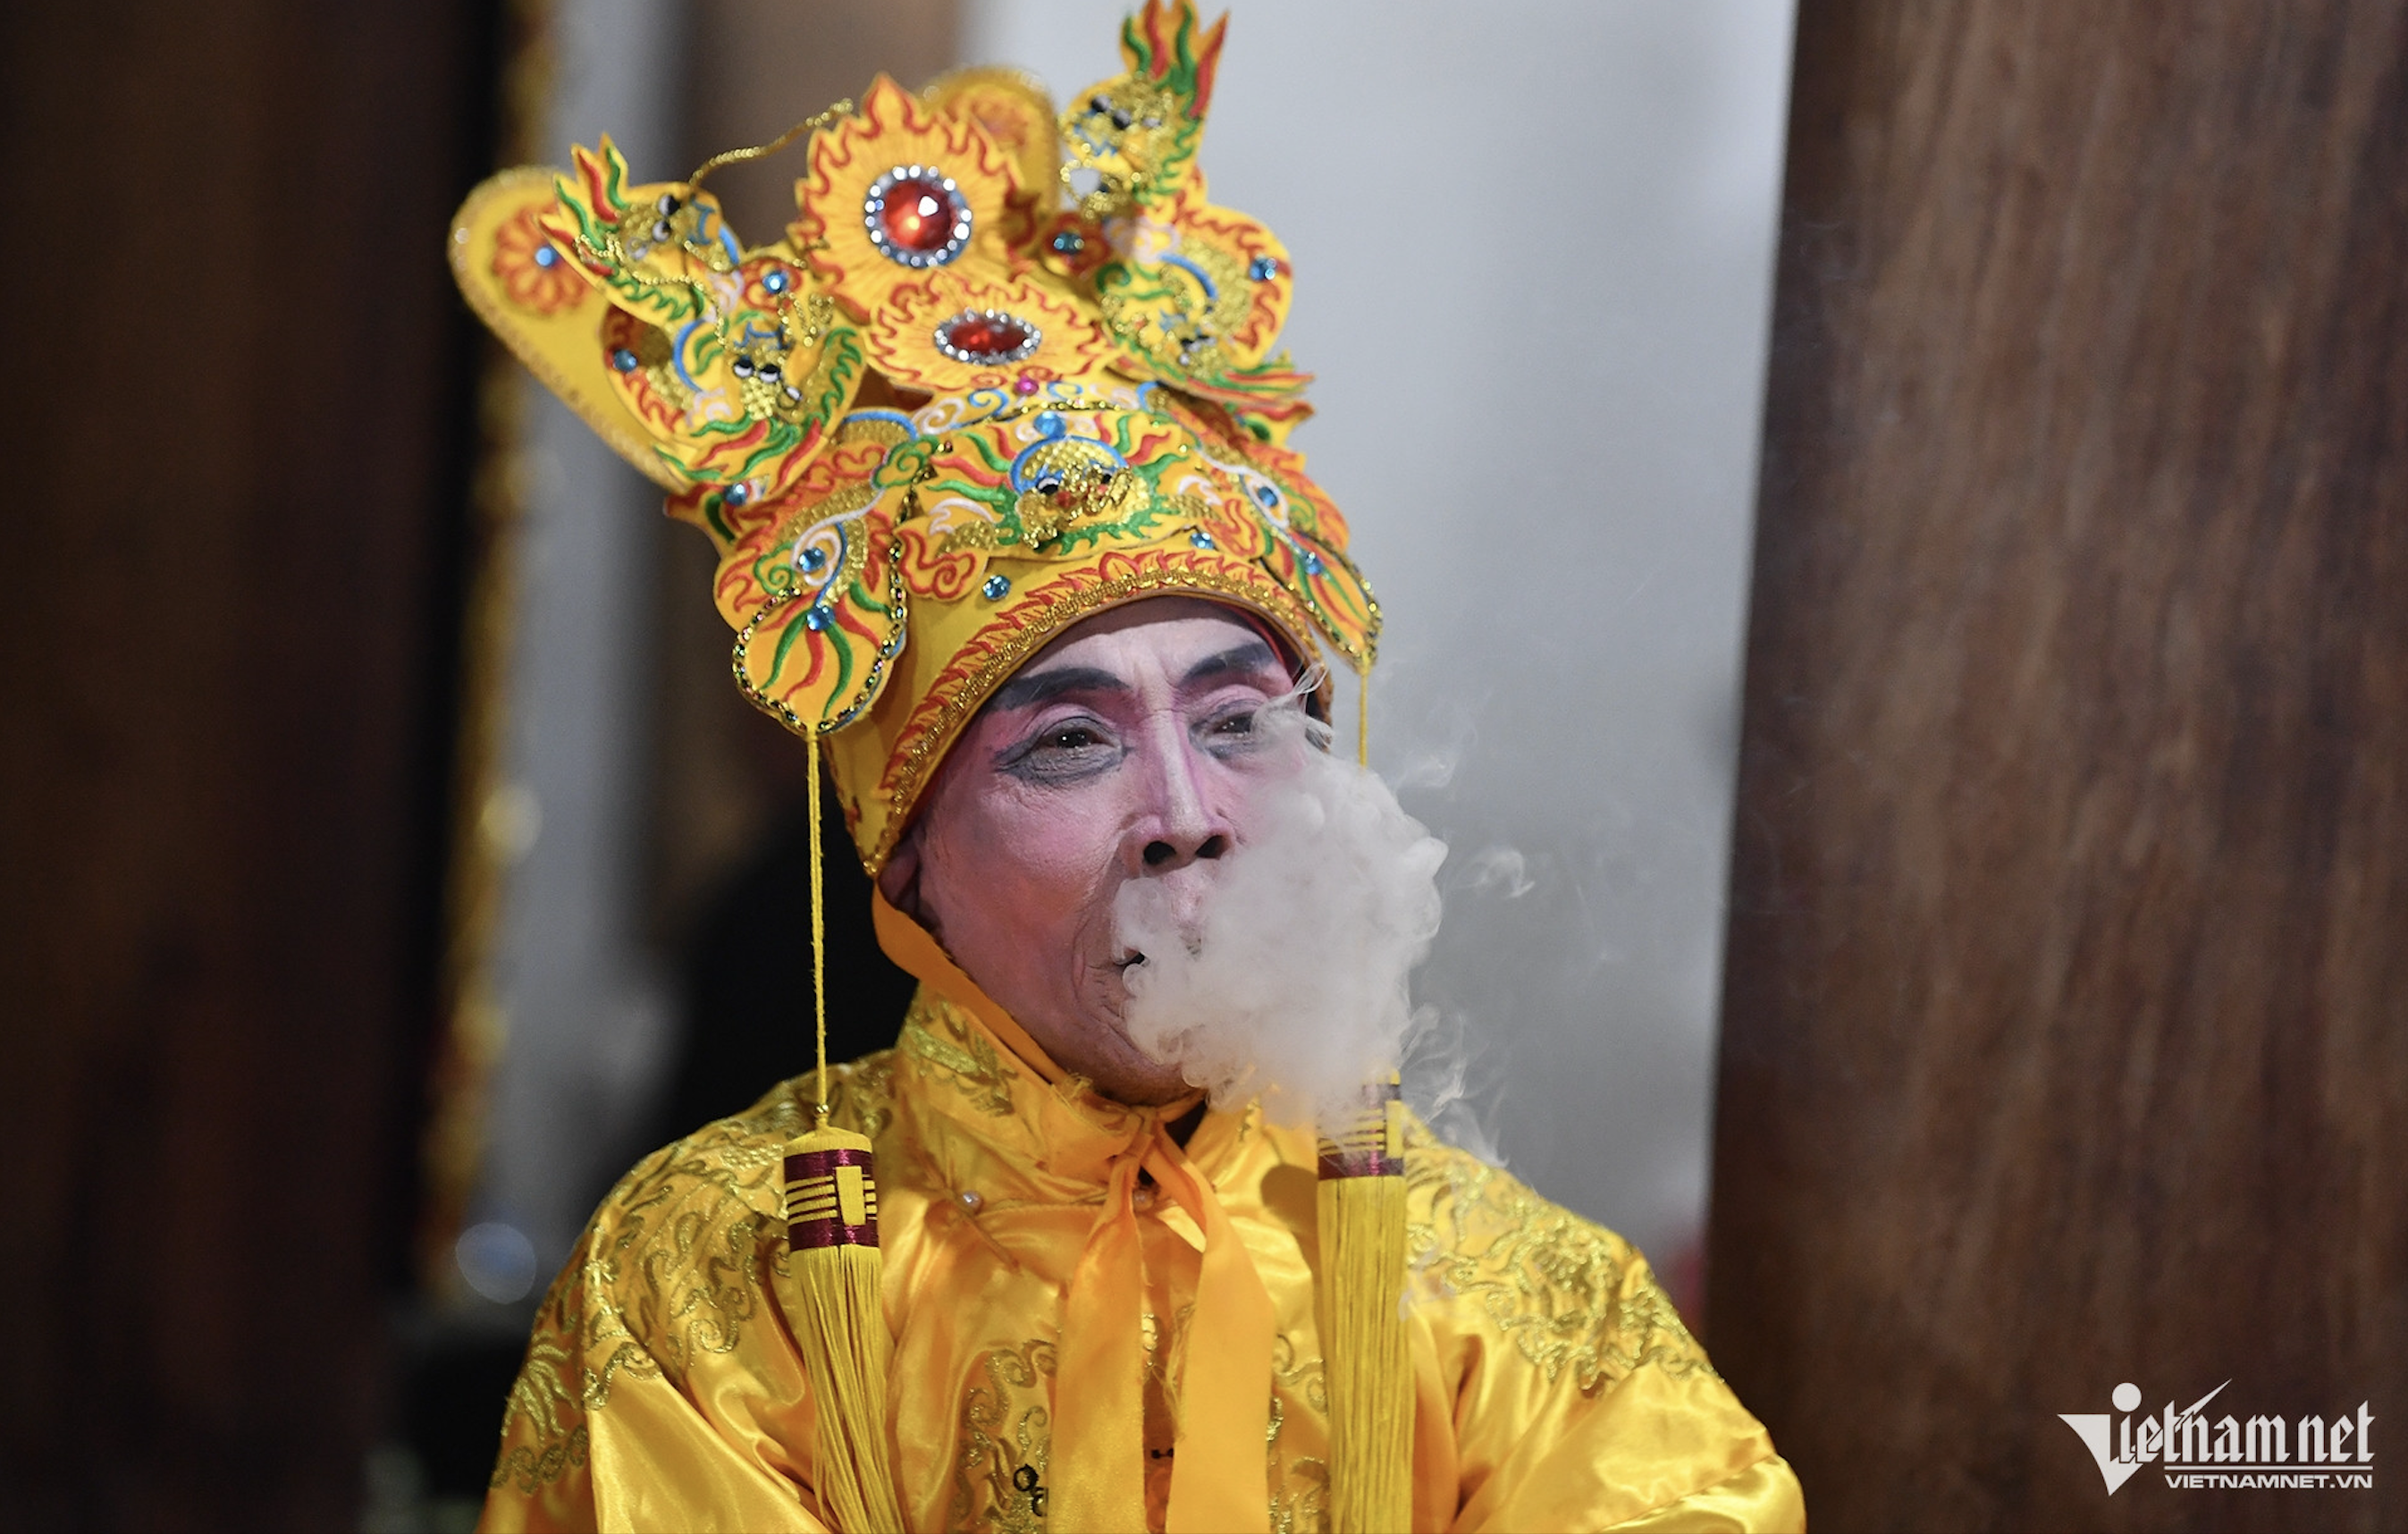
{"x":1005,"y":368}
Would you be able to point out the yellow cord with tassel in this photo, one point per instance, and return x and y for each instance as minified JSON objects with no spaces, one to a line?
{"x":1363,"y":716}
{"x":834,"y":1311}
{"x":1369,"y":1364}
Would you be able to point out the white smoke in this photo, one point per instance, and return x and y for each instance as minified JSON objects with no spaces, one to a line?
{"x":1501,"y":871}
{"x":1289,"y":981}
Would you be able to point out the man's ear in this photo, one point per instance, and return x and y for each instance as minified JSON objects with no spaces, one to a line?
{"x":899,"y":881}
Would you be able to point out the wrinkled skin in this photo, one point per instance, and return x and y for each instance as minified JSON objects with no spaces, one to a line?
{"x":1127,"y":749}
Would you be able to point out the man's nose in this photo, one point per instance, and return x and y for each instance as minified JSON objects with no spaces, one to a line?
{"x":1176,"y":825}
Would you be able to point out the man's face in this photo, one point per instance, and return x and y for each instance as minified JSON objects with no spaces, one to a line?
{"x":1126,"y":750}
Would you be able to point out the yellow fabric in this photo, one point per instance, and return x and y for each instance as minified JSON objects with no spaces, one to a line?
{"x":1225,"y":1395}
{"x":1555,"y":1386}
{"x":1763,"y":1496}
{"x":1103,"y":1418}
{"x":1226,"y":1385}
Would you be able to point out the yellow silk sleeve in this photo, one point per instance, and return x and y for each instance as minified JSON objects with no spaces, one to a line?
{"x":1648,"y":1451}
{"x":1764,"y":1496}
{"x":661,"y":1390}
{"x":657,"y":1463}
{"x":540,"y":1485}
{"x":648,"y":1461}
{"x":1557,"y":1388}
{"x":616,"y":1444}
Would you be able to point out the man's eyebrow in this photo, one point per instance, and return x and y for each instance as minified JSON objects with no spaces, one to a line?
{"x":1021,"y":692}
{"x":1252,"y":655}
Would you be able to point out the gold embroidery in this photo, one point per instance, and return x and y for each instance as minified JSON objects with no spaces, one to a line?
{"x":594,"y":1392}
{"x":532,"y":1469}
{"x":676,"y":1264}
{"x":706,"y":1285}
{"x":864,"y":1096}
{"x":1299,"y":1376}
{"x":1165,"y":1341}
{"x":1565,"y":1291}
{"x":1007,"y":1498}
{"x":978,"y":1072}
{"x":541,"y":1397}
{"x":1299,"y":1499}
{"x":827,"y":507}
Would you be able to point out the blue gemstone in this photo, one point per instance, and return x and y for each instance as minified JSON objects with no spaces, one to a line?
{"x":818,"y":618}
{"x":1070,"y":242}
{"x":1201,"y":538}
{"x":624,"y":360}
{"x":1262,"y":269}
{"x":814,"y":558}
{"x":738,"y":493}
{"x":995,"y":588}
{"x":1313,"y":564}
{"x":1266,"y":495}
{"x":546,"y":256}
{"x":774,"y":280}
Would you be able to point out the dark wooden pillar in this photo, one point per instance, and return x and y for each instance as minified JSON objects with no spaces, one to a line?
{"x":229,"y":412}
{"x":2066,"y":1039}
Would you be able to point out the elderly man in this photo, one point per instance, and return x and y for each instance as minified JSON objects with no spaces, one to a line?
{"x":1128,"y":1231}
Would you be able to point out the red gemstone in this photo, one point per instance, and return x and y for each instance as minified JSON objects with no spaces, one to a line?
{"x":986,"y":336}
{"x":919,"y":215}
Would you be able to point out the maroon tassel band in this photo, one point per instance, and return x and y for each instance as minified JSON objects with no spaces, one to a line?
{"x":1374,"y":1144}
{"x":831,"y":1200}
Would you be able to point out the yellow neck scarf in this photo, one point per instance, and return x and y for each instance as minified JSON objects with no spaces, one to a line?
{"x":1098,"y":1456}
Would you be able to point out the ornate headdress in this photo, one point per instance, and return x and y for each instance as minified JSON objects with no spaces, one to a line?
{"x":1002,"y":371}
{"x":1005,"y":369}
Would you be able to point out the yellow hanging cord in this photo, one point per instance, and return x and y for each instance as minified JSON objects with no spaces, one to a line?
{"x":819,"y":944}
{"x":1363,"y":715}
{"x":758,"y":151}
{"x":829,"y":1287}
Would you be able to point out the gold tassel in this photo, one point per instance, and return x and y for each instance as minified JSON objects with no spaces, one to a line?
{"x":833,"y":1306}
{"x":1362,"y":1208}
{"x":832,"y":1230}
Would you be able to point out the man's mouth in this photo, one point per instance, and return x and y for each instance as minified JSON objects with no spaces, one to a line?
{"x":1127,"y":960}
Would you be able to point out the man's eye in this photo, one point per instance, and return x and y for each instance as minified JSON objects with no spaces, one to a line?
{"x":1064,"y":752}
{"x":1233,"y":732}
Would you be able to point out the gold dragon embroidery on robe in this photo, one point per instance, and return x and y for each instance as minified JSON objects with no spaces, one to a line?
{"x":1571,"y":1294}
{"x":686,"y":1268}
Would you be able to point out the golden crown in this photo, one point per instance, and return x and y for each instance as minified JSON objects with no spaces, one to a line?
{"x":1005,"y":368}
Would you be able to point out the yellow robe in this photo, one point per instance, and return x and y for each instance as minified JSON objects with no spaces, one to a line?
{"x":1556,"y":1386}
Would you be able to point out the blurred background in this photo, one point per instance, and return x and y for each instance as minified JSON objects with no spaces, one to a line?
{"x":376,"y":817}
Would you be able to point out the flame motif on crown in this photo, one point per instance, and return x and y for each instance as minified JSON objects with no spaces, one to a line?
{"x":1005,"y":368}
